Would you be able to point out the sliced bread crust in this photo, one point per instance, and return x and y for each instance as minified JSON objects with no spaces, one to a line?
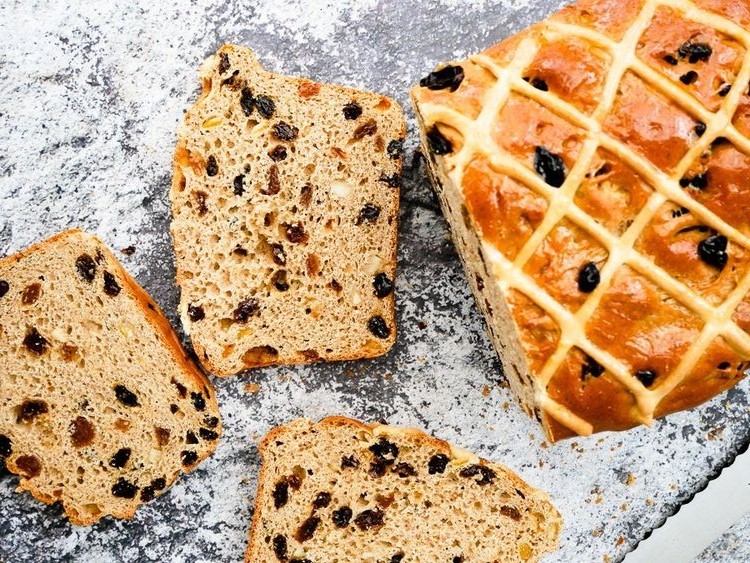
{"x":342,"y":490}
{"x":285,"y":215}
{"x":101,"y":409}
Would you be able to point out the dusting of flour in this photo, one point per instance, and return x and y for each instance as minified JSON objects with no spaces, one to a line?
{"x":90,"y":96}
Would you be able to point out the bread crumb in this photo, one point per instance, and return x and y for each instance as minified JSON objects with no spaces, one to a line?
{"x":620,"y":540}
{"x":624,"y":506}
{"x":606,"y":558}
{"x":596,"y":533}
{"x":649,"y":502}
{"x":252,"y":388}
{"x":486,"y":391}
{"x":630,"y":480}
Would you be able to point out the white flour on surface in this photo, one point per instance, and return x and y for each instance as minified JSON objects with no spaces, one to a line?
{"x":90,"y":96}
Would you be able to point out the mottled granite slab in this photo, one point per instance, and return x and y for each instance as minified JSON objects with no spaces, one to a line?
{"x":90,"y":95}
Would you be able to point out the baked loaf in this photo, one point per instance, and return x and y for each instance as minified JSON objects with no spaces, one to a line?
{"x":100,"y":409}
{"x":340,"y":490}
{"x":285,"y":215}
{"x":594,"y":171}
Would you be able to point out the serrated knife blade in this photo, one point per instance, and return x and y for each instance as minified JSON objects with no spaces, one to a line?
{"x":702,"y":520}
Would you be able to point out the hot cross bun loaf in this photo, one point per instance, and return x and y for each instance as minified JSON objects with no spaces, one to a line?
{"x":285,"y":215}
{"x":100,"y":409}
{"x":341,"y":490}
{"x":594,"y":172}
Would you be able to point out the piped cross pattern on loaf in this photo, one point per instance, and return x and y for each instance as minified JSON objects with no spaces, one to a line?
{"x":667,"y":178}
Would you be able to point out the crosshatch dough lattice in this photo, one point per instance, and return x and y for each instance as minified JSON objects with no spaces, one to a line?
{"x":643,"y":106}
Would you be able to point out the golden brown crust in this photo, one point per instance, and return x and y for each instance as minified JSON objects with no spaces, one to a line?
{"x":626,"y":102}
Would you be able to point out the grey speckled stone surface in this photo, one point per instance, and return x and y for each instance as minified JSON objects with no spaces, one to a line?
{"x":90,"y":95}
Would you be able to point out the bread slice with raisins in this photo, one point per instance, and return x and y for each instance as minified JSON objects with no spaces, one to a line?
{"x":285,"y":214}
{"x":341,"y":490}
{"x":100,"y":407}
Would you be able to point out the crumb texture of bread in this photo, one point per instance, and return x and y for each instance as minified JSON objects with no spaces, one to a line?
{"x":593,"y":170}
{"x":100,"y":409}
{"x":343,"y":491}
{"x":285,"y":215}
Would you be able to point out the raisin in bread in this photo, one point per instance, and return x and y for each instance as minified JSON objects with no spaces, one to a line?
{"x":285,"y":214}
{"x":340,"y":490}
{"x":100,"y":408}
{"x":594,"y":171}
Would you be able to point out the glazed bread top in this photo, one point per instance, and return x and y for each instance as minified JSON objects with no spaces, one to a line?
{"x":603,"y":158}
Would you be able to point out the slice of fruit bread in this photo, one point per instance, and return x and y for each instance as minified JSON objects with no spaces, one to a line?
{"x":100,"y":408}
{"x":341,"y":490}
{"x":285,"y":215}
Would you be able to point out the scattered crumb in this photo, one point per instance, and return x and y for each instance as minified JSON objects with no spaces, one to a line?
{"x":596,"y":533}
{"x":506,"y":405}
{"x":544,"y":445}
{"x":630,"y":481}
{"x":541,"y":463}
{"x":128,"y":250}
{"x":649,"y":502}
{"x":598,"y":500}
{"x":486,"y":390}
{"x":252,"y":388}
{"x":350,"y":372}
{"x":715,"y":433}
{"x":620,"y":540}
{"x":606,"y":559}
{"x":388,"y":376}
{"x":422,"y":325}
{"x":624,"y":506}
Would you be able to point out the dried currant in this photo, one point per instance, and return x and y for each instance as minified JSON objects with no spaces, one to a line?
{"x":128,"y":250}
{"x":539,"y":84}
{"x":392,"y":181}
{"x":713,"y":251}
{"x":247,"y":308}
{"x":211,"y":421}
{"x":266,"y":106}
{"x":147,"y":494}
{"x":280,"y":547}
{"x":200,"y":199}
{"x":82,"y":432}
{"x":485,"y":474}
{"x":162,"y":435}
{"x":279,"y":280}
{"x":349,"y":461}
{"x":181,"y":389}
{"x":281,"y":493}
{"x":29,"y":466}
{"x":376,"y":325}
{"x":689,"y":77}
{"x":190,"y":438}
{"x":395,"y":149}
{"x":511,"y":512}
{"x":246,"y":101}
{"x":86,"y":267}
{"x":238,"y":186}
{"x":278,"y":153}
{"x":695,"y":52}
{"x":368,"y":128}
{"x":670,"y":60}
{"x":31,"y":293}
{"x":6,"y":446}
{"x":29,"y":410}
{"x":126,"y":397}
{"x":382,"y":285}
{"x":35,"y":341}
{"x":342,"y":516}
{"x":369,"y":519}
{"x":307,"y":530}
{"x":278,"y":254}
{"x":285,"y":132}
{"x":724,"y":90}
{"x":404,"y":469}
{"x":199,"y":402}
{"x":385,"y":451}
{"x":274,"y":184}
{"x":212,"y":167}
{"x":196,"y":313}
{"x":646,"y":377}
{"x":207,"y":434}
{"x":449,"y":76}
{"x":159,"y":483}
{"x":124,"y":489}
{"x":437,"y":464}
{"x":591,"y":367}
{"x":588,"y":278}
{"x":121,"y":457}
{"x":189,"y":457}
{"x":352,"y":110}
{"x":223,"y":63}
{"x":550,"y":167}
{"x":377,"y":468}
{"x":438,"y":143}
{"x":368,"y":214}
{"x":322,"y":500}
{"x":111,"y":287}
{"x":296,"y":233}
{"x":305,"y":195}
{"x":397,"y":557}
